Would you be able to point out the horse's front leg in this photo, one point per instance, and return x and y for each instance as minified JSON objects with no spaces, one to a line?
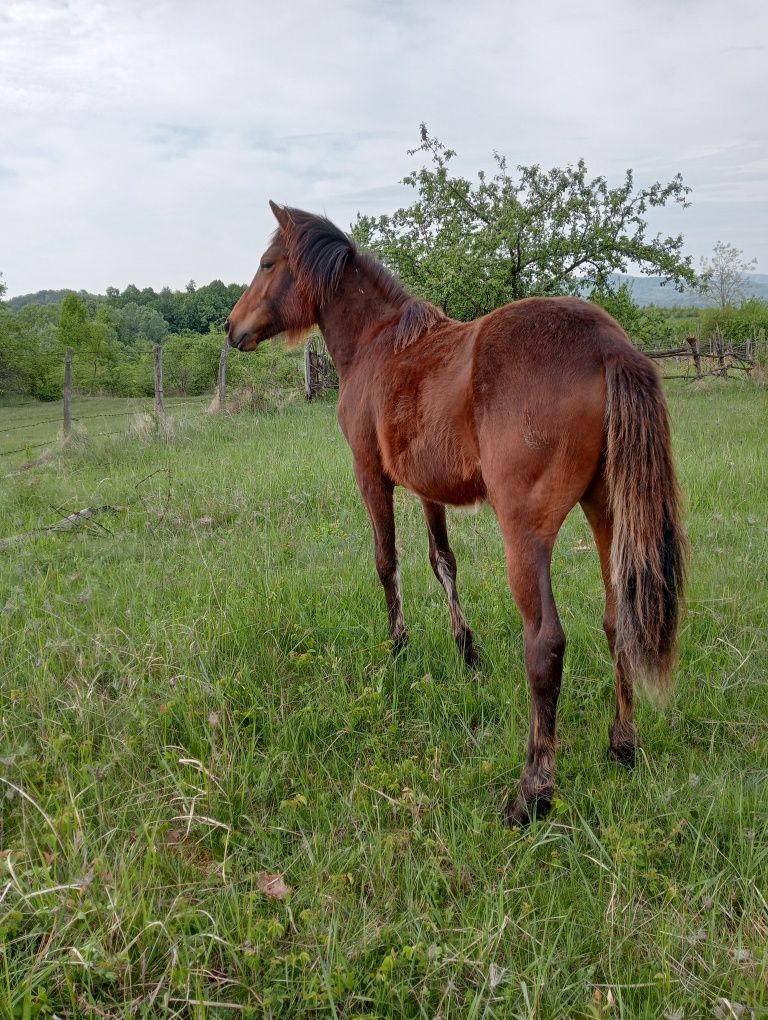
{"x":376,"y":491}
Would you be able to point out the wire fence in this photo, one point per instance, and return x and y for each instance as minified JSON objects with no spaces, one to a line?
{"x":87,"y":417}
{"x":65,"y":419}
{"x":128,"y":412}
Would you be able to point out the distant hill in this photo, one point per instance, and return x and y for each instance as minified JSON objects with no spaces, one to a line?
{"x":648,"y":290}
{"x":42,"y":297}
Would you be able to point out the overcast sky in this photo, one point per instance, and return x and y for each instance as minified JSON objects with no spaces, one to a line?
{"x":141,"y":139}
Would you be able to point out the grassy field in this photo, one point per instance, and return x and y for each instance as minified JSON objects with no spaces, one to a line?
{"x":196,"y":692}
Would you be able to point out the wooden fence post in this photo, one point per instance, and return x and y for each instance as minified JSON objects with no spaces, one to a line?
{"x":693,"y":343}
{"x":309,"y":389}
{"x":319,"y":371}
{"x":720,"y":350}
{"x":223,"y":374}
{"x":68,"y":392}
{"x":220,"y":396}
{"x":159,"y":405}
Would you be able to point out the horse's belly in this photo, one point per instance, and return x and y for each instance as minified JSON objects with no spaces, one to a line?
{"x":444,"y":472}
{"x":426,"y":433}
{"x":470,"y":493}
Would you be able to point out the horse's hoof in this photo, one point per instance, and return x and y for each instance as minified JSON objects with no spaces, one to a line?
{"x":624,"y":754}
{"x":520,"y":812}
{"x":472,"y":659}
{"x":399,"y":643}
{"x":468,"y":651}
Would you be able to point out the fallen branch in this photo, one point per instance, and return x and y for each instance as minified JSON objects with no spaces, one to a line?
{"x":68,"y":523}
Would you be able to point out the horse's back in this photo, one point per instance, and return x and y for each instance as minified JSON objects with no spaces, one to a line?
{"x":544,"y":339}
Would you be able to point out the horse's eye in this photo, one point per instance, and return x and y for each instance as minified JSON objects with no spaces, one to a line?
{"x":267,"y":265}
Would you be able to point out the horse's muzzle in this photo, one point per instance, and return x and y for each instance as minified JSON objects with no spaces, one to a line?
{"x":236,"y":340}
{"x":240,"y":341}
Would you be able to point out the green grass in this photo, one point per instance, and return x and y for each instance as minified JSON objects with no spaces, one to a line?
{"x":203,"y":692}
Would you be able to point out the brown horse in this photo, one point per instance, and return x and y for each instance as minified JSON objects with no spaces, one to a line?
{"x":538,"y":406}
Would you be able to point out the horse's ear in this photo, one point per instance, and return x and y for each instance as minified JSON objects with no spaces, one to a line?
{"x":280,"y":214}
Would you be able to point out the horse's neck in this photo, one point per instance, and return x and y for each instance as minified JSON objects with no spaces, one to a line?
{"x":356,"y":306}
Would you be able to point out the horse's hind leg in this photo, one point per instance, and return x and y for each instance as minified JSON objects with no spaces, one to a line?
{"x":623,"y":736}
{"x":444,"y":565}
{"x":529,"y":555}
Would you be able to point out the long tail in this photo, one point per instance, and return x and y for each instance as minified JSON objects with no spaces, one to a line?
{"x":649,"y":549}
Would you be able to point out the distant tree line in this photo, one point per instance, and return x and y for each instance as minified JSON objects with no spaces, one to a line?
{"x":113,"y":336}
{"x":194,"y":308}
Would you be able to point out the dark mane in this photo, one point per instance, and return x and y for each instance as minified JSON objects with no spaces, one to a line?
{"x":417,"y":316}
{"x":318,"y":254}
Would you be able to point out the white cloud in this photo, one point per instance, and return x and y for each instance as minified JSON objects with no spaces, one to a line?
{"x":139,"y":141}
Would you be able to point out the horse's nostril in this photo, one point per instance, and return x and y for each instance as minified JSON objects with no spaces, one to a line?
{"x":227,"y":324}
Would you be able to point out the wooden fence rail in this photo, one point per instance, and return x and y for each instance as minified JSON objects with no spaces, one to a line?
{"x":733,"y":357}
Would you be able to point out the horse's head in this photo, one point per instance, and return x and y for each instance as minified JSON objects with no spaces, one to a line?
{"x":275,"y":302}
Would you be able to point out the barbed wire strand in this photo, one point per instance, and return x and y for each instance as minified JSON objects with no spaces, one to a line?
{"x":88,"y":417}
